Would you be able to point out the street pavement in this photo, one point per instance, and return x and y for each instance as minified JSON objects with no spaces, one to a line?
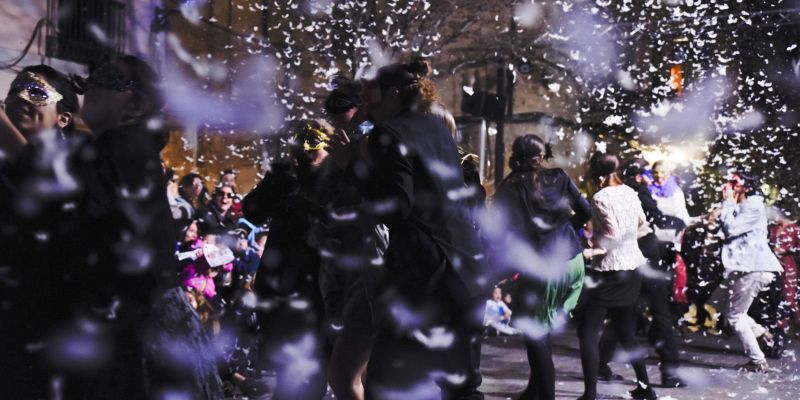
{"x":709,"y":366}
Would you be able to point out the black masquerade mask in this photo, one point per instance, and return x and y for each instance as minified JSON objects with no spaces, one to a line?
{"x":111,"y":78}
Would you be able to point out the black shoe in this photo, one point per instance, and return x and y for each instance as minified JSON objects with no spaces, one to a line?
{"x":641,"y":393}
{"x":605,"y":374}
{"x":672,"y":382}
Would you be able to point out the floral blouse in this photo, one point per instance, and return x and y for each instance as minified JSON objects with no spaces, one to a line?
{"x":618,"y":222}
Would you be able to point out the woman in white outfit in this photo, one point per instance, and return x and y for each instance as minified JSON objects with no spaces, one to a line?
{"x":612,"y":283}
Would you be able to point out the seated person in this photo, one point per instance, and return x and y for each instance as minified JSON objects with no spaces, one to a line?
{"x":497,"y":314}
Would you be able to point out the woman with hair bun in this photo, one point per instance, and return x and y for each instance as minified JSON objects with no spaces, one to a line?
{"x":618,"y":222}
{"x":434,"y":260}
{"x":543,"y":210}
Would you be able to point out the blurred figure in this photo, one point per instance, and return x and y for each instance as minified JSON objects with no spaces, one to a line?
{"x":125,"y":224}
{"x":38,"y":147}
{"x":219,"y":214}
{"x":182,"y":211}
{"x":542,"y":209}
{"x":666,"y":190}
{"x":618,"y":221}
{"x":701,"y":250}
{"x":497,"y":315}
{"x":784,"y":237}
{"x":193,"y":191}
{"x":354,"y":245}
{"x":288,"y":276}
{"x":434,"y":259}
{"x":749,"y":263}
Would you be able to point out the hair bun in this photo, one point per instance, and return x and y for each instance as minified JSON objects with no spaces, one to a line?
{"x":420,"y":67}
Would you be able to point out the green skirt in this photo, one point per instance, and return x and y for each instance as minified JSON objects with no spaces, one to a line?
{"x":553,"y":299}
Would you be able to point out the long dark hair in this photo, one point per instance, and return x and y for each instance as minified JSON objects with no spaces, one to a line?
{"x":602,"y":166}
{"x":185,"y":185}
{"x":528,"y":152}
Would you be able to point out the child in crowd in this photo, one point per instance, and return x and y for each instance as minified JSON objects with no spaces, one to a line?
{"x":497,"y":314}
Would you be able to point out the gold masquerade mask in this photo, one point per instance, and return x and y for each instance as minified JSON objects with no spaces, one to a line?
{"x":35,"y":90}
{"x":314,"y":139}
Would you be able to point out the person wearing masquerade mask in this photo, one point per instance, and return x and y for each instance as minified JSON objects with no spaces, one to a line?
{"x":343,"y":102}
{"x":434,"y":260}
{"x":356,"y":245}
{"x":289,"y":270}
{"x":122,"y":242}
{"x":750,"y":265}
{"x":35,"y":182}
{"x":39,"y":111}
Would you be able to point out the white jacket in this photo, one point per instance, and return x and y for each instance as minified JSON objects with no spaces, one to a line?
{"x":746,"y":246}
{"x":674,"y":206}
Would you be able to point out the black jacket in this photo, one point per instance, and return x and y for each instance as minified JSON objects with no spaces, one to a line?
{"x":287,"y":198}
{"x":657,"y":253}
{"x":125,"y":222}
{"x":417,"y":189}
{"x":546,"y":214}
{"x":214,"y":219}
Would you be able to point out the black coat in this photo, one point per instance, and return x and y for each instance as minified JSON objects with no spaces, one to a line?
{"x":547,"y":213}
{"x":287,"y":198}
{"x":658,"y":253}
{"x":115,"y":245}
{"x":214,"y":220}
{"x":417,"y":189}
{"x":125,"y":222}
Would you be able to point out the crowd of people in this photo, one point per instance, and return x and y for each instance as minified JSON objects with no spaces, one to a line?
{"x":362,"y":261}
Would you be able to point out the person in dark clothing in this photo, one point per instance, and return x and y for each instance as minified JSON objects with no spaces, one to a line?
{"x":353,"y":246}
{"x":288,"y":276}
{"x":193,"y":191}
{"x":701,"y":251}
{"x":124,"y":227}
{"x":218,"y":215}
{"x":39,"y":141}
{"x":541,"y":209}
{"x":434,"y":260}
{"x":656,"y":282}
